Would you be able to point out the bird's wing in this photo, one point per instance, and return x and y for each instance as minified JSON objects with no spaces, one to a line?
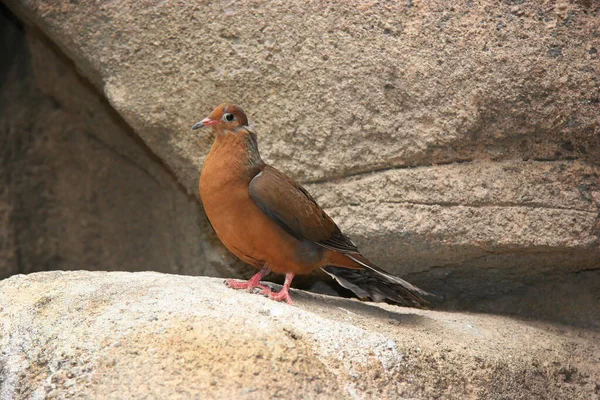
{"x":294,"y":209}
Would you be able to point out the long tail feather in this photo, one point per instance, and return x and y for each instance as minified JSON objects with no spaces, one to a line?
{"x":374,"y":283}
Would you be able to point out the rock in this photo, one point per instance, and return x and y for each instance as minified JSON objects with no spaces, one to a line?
{"x":494,"y":242}
{"x":11,"y":41}
{"x":337,"y":90}
{"x":457,"y":144}
{"x":138,"y":335}
{"x":510,"y":206}
{"x":78,"y":186}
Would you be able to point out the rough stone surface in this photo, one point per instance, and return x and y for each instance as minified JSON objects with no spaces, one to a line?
{"x":494,"y":104}
{"x":517,"y":222}
{"x":11,"y":40}
{"x":509,"y":206}
{"x":342,"y":88}
{"x":140,"y":335}
{"x":77,"y":185}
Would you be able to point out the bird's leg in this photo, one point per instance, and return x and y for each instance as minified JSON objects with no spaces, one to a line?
{"x":251,"y":283}
{"x":284,"y":293}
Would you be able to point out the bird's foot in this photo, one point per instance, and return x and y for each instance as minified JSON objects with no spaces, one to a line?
{"x":282,"y":295}
{"x":251,"y":283}
{"x":254,"y":282}
{"x":246,"y":285}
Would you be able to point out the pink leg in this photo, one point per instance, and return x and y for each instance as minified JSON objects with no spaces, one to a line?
{"x":251,"y":283}
{"x":284,"y":293}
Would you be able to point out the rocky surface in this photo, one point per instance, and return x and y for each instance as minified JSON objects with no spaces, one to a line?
{"x":491,"y":235}
{"x":458,"y":144}
{"x":139,"y":335}
{"x":441,"y":212}
{"x":337,"y":89}
{"x":78,"y":186}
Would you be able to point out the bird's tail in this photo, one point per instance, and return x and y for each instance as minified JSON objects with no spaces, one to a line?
{"x":371,"y":282}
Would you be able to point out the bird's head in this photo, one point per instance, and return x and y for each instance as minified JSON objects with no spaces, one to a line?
{"x":226,"y":117}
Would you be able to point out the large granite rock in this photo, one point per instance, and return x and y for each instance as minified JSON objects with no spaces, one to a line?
{"x":340,"y":88}
{"x":458,"y":144}
{"x":149,"y":335}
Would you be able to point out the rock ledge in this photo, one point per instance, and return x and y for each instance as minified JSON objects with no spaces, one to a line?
{"x":134,"y":335}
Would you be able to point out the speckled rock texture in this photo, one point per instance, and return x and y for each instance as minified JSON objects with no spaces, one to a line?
{"x":342,"y":88}
{"x":458,"y":144}
{"x":150,"y":335}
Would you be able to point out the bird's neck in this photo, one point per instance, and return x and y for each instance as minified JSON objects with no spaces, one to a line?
{"x":237,"y":153}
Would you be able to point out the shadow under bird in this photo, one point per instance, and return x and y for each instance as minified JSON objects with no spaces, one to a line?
{"x":271,"y":222}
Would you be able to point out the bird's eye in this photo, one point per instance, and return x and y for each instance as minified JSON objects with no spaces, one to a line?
{"x":228,"y":117}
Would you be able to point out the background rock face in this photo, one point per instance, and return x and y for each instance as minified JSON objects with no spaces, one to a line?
{"x":148,"y":334}
{"x":343,"y":88}
{"x":77,"y":184}
{"x":458,"y":144}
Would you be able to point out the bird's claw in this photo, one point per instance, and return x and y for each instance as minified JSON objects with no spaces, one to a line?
{"x":247,"y":285}
{"x":259,"y":288}
{"x":282,"y":295}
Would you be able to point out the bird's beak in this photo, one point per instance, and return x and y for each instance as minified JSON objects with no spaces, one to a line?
{"x":204,"y":122}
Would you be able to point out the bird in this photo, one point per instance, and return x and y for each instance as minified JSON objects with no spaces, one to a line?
{"x":270,"y":221}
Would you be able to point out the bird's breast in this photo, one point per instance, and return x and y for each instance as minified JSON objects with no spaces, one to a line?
{"x":241,"y":225}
